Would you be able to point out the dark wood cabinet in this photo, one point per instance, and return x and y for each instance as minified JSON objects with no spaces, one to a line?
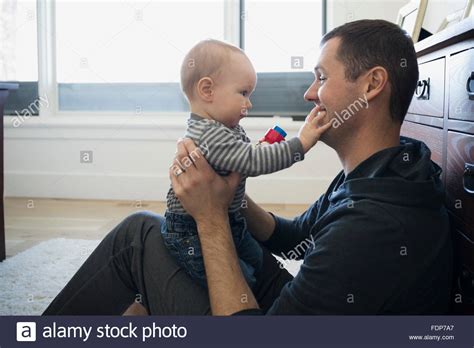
{"x":4,"y":90}
{"x":442,"y":115}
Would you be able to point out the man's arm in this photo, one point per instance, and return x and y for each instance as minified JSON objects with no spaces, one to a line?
{"x":278,"y":234}
{"x":229,"y":293}
{"x":259,"y":222}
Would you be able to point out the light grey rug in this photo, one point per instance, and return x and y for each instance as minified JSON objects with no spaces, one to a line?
{"x":31,"y":279}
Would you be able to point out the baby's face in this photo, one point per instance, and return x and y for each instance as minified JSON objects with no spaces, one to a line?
{"x":233,"y":90}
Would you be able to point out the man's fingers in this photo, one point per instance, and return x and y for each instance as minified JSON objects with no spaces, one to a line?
{"x":176,"y":167}
{"x":189,"y":145}
{"x":186,"y":154}
{"x":195,"y":155}
{"x":181,"y":153}
{"x":174,"y":179}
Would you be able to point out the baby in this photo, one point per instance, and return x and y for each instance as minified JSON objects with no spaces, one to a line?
{"x":218,"y":79}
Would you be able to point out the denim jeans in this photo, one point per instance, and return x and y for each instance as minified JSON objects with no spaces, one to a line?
{"x":181,"y":238}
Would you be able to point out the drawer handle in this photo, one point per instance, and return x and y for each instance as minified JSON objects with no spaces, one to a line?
{"x":422,"y":88}
{"x":470,"y":93}
{"x":468,"y":178}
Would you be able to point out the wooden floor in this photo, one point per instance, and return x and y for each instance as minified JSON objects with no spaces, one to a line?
{"x":31,"y":221}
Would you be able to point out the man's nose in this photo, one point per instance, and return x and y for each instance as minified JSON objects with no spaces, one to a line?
{"x":311,"y":93}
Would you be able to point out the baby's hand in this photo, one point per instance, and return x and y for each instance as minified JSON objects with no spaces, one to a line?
{"x":311,"y":130}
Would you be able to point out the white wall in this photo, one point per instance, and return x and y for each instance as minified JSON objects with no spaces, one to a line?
{"x":342,"y":11}
{"x":437,"y":10}
{"x":131,"y":158}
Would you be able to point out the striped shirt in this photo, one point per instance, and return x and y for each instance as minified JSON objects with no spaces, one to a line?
{"x":230,"y":150}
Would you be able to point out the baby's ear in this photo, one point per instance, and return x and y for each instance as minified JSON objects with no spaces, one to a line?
{"x":205,"y":89}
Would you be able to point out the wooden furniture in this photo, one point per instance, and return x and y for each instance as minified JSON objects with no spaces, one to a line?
{"x":442,"y":115}
{"x":4,"y":88}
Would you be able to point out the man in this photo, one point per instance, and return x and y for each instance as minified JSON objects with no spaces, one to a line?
{"x":377,"y":242}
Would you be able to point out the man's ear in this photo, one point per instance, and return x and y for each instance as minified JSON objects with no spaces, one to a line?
{"x":205,"y":89}
{"x":375,"y":81}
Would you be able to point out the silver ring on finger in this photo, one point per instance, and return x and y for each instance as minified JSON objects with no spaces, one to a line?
{"x":178,"y":172}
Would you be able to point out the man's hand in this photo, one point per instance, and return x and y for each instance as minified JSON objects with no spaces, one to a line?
{"x":200,"y":190}
{"x":313,"y":127}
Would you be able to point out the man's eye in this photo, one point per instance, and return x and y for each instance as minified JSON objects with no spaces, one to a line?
{"x":322,"y":79}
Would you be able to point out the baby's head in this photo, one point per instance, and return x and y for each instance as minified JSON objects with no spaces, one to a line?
{"x":218,"y":79}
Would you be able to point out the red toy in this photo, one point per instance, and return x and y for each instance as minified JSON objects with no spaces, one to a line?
{"x":274,"y":135}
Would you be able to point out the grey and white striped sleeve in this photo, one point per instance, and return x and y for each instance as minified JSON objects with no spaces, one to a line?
{"x":224,"y":151}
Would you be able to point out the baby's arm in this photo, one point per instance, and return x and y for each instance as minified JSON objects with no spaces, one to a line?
{"x":224,"y":151}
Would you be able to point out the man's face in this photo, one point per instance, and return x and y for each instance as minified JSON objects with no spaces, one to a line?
{"x":232,"y":91}
{"x":332,"y":91}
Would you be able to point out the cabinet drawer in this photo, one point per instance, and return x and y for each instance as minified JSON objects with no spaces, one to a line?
{"x":460,"y":181}
{"x":432,"y":137}
{"x":461,"y":86}
{"x":429,"y":93}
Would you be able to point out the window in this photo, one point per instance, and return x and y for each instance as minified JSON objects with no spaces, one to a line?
{"x":19,"y":54}
{"x":281,"y":38}
{"x":130,"y":60}
{"x":125,"y":56}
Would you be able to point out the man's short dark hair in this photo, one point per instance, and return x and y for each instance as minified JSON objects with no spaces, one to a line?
{"x":369,"y":43}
